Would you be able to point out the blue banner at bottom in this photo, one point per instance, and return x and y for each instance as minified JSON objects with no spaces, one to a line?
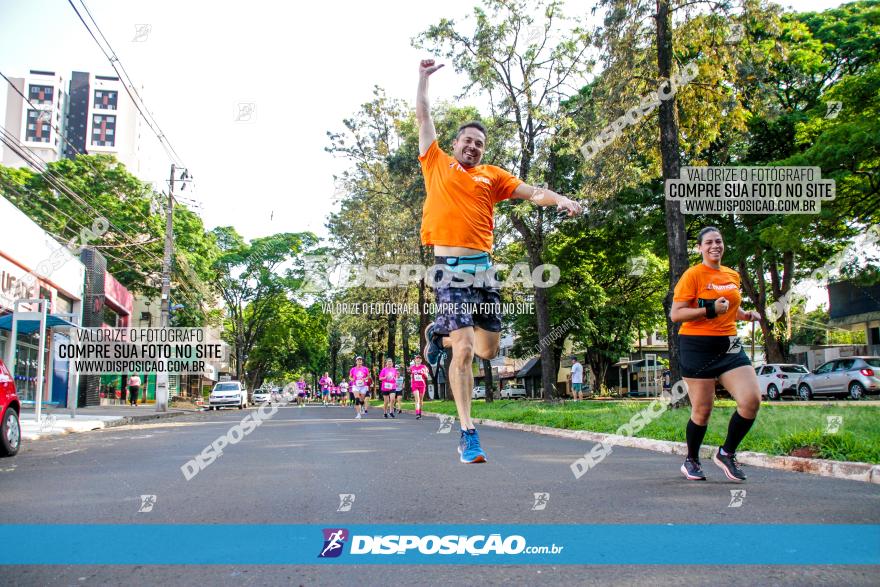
{"x":426,"y":544}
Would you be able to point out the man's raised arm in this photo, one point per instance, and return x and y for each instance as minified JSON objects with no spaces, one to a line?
{"x":427,"y":132}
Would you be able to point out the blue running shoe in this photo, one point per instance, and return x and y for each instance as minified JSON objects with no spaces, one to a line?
{"x":433,"y":349}
{"x":469,"y":447}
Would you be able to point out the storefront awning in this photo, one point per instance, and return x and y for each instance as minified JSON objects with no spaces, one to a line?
{"x":31,"y":326}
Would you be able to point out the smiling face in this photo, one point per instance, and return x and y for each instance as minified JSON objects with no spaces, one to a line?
{"x":389,"y":363}
{"x":712,"y":247}
{"x":469,"y":147}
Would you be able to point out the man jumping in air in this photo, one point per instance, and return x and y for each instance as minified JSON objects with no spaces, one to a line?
{"x":458,"y":219}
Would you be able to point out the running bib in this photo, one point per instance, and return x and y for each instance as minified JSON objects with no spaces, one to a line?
{"x":419,"y":377}
{"x":359,"y":382}
{"x":387,"y":386}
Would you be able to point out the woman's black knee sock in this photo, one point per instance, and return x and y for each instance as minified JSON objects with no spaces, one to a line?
{"x":694,"y":434}
{"x":736,"y":431}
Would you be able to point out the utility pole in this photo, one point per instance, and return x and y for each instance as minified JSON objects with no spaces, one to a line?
{"x":162,"y":376}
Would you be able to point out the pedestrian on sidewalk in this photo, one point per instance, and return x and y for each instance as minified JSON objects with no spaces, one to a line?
{"x":577,"y":379}
{"x":134,"y":388}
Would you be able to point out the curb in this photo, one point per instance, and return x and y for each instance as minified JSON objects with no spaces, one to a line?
{"x":851,"y":471}
{"x":127,"y":420}
{"x":123,"y":421}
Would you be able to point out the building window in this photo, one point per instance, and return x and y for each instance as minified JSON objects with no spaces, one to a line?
{"x":38,"y":125}
{"x":106,"y":99}
{"x":109,"y":317}
{"x":103,"y":130}
{"x":41,"y":94}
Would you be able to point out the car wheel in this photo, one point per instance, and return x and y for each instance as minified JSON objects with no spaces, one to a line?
{"x":10,"y":434}
{"x":856,"y":390}
{"x":772,"y":392}
{"x":804,"y":392}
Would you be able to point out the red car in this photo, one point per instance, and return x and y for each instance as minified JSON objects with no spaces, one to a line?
{"x":10,"y":407}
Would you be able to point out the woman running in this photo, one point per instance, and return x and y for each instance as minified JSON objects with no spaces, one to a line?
{"x":707,"y":303}
{"x":358,"y":375}
{"x":301,"y":391}
{"x":326,"y":383}
{"x":344,"y":394}
{"x":418,"y":383}
{"x":369,"y":395}
{"x":388,"y":386}
{"x":399,"y":389}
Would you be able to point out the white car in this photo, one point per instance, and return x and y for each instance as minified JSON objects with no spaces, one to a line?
{"x":229,"y":394}
{"x":779,"y":379}
{"x":263,"y":396}
{"x":513,"y":392}
{"x":479,"y":392}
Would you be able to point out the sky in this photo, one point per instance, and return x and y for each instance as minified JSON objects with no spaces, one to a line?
{"x":304,"y":67}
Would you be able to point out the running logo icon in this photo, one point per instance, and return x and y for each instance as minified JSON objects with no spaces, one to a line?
{"x":736,"y":345}
{"x":737,"y":498}
{"x":834,"y":424}
{"x":346,"y":500}
{"x":637,"y":266}
{"x":445,"y":424}
{"x":541,"y":500}
{"x":147,"y":503}
{"x":334,"y":540}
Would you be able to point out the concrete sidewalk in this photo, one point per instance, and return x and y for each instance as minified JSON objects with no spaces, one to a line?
{"x":55,"y":422}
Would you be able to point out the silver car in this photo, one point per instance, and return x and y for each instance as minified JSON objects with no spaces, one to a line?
{"x":852,"y":377}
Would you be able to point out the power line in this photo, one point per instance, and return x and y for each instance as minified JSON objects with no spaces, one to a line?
{"x":61,"y":134}
{"x":195,"y":287}
{"x":58,"y":184}
{"x":127,"y":84}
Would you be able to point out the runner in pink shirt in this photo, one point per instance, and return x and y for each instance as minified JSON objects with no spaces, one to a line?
{"x":419,"y":383}
{"x":358,"y":375}
{"x":326,"y":383}
{"x":388,"y":386}
{"x":301,"y":392}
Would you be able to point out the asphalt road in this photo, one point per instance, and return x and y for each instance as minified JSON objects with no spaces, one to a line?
{"x":292,"y":469}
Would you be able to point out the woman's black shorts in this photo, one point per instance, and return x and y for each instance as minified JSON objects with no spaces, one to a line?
{"x":707,"y":357}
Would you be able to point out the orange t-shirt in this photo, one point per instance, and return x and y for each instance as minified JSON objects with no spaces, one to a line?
{"x":701,"y":281}
{"x":460,"y":203}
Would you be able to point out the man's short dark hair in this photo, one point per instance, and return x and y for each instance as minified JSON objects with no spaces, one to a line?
{"x":472,"y":124}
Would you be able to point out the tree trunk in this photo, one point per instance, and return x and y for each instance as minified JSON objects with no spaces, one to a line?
{"x":404,"y":340}
{"x":392,"y":337}
{"x":487,"y":380}
{"x":676,"y":236}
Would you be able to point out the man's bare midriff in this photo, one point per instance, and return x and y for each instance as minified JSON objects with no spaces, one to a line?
{"x":447,"y":251}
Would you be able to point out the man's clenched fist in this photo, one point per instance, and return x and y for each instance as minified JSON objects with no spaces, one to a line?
{"x":427,"y":67}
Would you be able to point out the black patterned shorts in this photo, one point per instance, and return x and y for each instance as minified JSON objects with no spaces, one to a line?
{"x":463,"y":307}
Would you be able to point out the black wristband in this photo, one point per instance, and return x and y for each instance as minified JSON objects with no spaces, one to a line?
{"x":710,"y":310}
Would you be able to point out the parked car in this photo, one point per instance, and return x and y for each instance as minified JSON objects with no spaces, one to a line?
{"x":513,"y":393}
{"x":10,"y":408}
{"x":262,"y":396}
{"x":778,"y":379}
{"x":228,"y":394}
{"x":479,"y":392}
{"x":852,"y":377}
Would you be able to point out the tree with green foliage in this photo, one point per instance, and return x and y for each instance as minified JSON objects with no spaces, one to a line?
{"x":250,"y":277}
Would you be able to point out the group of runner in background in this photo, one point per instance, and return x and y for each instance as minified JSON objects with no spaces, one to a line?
{"x":359,"y":388}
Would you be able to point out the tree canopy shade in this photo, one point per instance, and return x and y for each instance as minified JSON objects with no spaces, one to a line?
{"x":70,"y":194}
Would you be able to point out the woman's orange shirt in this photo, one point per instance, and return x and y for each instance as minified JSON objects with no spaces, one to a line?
{"x":701,"y":281}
